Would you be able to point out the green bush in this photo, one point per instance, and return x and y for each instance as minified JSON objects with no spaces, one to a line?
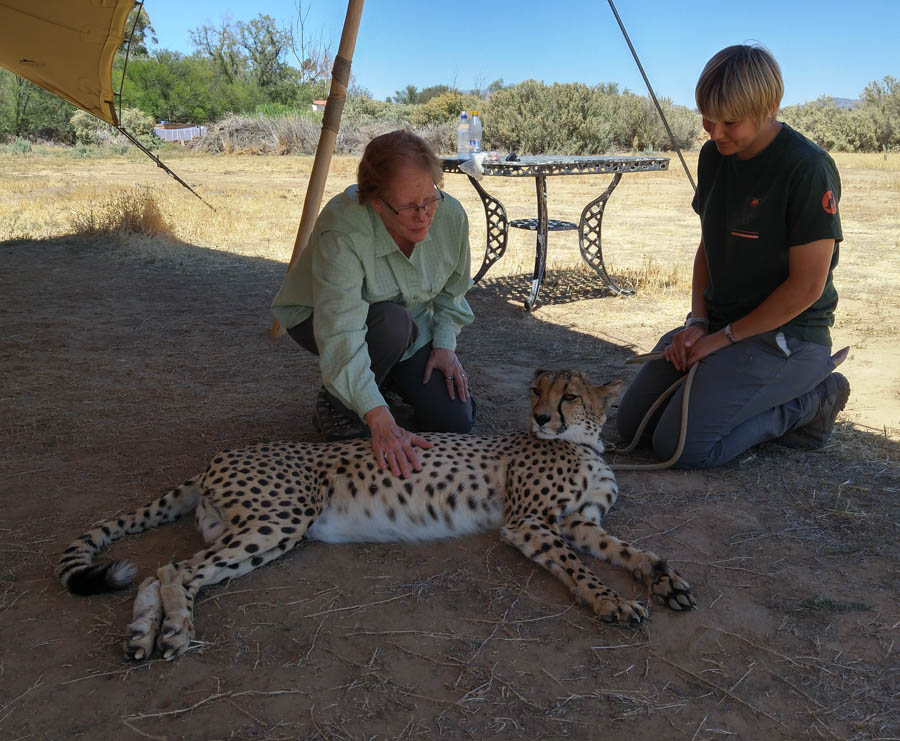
{"x":443,"y":108}
{"x":280,"y":110}
{"x":17,"y":146}
{"x":572,"y":118}
{"x":90,"y":130}
{"x":83,"y":151}
{"x":831,"y":127}
{"x":873,"y":125}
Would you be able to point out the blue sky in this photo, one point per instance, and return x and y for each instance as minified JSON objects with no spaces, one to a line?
{"x":824,"y":47}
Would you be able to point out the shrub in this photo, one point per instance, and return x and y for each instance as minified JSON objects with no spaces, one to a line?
{"x":831,"y":127}
{"x":274,"y":110}
{"x":91,"y":130}
{"x":300,"y":135}
{"x":573,"y":118}
{"x":259,"y":134}
{"x":83,"y":151}
{"x":134,"y":211}
{"x":443,"y":108}
{"x":17,"y":145}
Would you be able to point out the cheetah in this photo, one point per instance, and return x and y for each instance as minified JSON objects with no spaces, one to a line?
{"x":547,"y":491}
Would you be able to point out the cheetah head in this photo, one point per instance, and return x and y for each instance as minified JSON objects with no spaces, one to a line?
{"x":565,"y":405}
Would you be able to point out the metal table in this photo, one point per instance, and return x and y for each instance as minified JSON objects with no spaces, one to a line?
{"x":540,"y":167}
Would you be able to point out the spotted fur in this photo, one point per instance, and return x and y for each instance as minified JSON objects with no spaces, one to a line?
{"x":547,"y":491}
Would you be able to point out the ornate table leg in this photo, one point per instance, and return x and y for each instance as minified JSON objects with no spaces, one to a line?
{"x":496,"y":226}
{"x":589,"y":237}
{"x":540,"y":257}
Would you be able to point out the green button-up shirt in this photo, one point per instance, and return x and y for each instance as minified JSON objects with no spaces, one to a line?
{"x":352,"y":261}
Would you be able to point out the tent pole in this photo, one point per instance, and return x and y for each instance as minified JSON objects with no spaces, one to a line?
{"x":331,"y":122}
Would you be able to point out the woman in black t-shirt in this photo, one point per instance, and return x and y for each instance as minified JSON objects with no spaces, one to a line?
{"x":762,"y":297}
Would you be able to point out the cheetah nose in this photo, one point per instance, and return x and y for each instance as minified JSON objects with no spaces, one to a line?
{"x":542,"y":419}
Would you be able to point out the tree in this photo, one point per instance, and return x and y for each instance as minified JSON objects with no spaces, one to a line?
{"x":139,"y":29}
{"x":265,"y":44}
{"x":881,"y":101}
{"x":26,"y":110}
{"x":409,"y":94}
{"x":431,"y":92}
{"x":219,"y":43}
{"x":173,"y":87}
{"x":252,"y":51}
{"x":313,"y":55}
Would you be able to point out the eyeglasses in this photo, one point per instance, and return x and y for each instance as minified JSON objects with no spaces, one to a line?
{"x":428,"y":207}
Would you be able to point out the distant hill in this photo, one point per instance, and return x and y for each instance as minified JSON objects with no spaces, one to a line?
{"x":847,"y":103}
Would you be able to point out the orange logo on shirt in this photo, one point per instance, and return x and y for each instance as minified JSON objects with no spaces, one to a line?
{"x":829,"y":203}
{"x":754,"y":202}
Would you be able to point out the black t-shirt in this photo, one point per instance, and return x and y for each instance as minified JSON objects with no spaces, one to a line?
{"x":752,"y":212}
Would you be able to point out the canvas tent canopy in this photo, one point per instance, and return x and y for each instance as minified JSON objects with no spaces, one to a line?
{"x":66,"y":47}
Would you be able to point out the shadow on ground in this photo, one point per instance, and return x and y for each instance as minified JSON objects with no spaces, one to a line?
{"x":124,"y":367}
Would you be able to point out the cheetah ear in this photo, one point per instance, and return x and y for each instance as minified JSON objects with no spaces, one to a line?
{"x":539,"y":372}
{"x":605,"y":394}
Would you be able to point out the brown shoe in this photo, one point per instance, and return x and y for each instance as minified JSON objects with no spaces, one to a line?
{"x":335,"y":424}
{"x":833,"y":394}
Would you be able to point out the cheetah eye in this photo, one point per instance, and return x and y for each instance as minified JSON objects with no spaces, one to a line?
{"x":569,"y":397}
{"x":535,"y":391}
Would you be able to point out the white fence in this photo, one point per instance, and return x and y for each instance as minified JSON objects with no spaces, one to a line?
{"x":181,"y":134}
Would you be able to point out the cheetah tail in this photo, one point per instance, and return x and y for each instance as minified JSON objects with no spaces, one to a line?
{"x":76,"y":568}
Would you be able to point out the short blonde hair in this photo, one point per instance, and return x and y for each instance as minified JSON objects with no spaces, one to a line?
{"x":383,"y":157}
{"x":740,"y":83}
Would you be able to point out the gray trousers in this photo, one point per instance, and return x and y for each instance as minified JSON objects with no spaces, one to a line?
{"x":744,"y":394}
{"x":390,"y":332}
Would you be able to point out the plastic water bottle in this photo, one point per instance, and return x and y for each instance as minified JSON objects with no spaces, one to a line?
{"x":475,"y":133}
{"x":463,"y":147}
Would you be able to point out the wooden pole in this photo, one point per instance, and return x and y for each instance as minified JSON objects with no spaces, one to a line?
{"x":331,"y":123}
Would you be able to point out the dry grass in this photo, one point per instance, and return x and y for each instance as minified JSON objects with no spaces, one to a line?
{"x":133,"y":211}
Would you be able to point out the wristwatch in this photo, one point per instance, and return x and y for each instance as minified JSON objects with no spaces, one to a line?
{"x":729,"y":334}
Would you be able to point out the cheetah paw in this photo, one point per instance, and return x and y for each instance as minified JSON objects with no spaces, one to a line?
{"x":176,"y":635}
{"x":666,"y":584}
{"x":140,"y":645}
{"x":674,"y":592}
{"x":617,"y":610}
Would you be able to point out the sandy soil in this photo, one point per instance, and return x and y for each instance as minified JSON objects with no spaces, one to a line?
{"x":123,"y":370}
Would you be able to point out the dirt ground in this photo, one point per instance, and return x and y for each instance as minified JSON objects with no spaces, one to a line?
{"x":122,"y":370}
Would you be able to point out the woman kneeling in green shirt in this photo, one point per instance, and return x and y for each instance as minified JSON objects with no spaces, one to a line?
{"x":379,"y":295}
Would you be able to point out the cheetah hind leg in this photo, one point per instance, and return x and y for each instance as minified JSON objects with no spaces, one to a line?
{"x":178,"y":584}
{"x":178,"y":607}
{"x":147,"y":617}
{"x":162,"y":616}
{"x":648,"y":568}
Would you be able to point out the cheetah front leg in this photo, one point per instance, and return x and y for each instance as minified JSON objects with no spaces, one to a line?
{"x":647,"y":567}
{"x":536,"y":539}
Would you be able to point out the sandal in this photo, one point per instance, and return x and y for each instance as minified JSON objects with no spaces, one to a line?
{"x":334,"y":424}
